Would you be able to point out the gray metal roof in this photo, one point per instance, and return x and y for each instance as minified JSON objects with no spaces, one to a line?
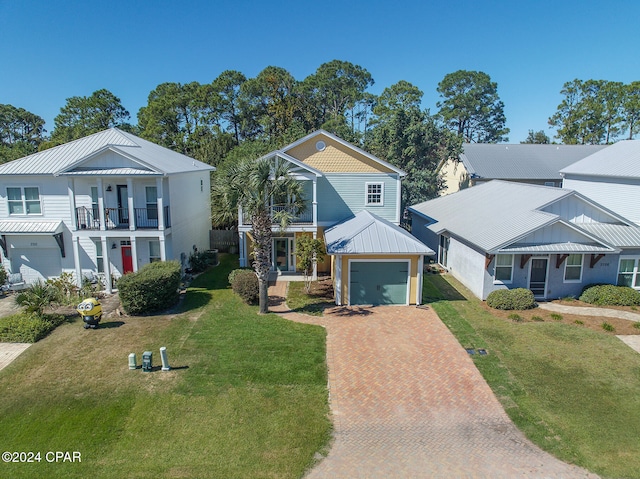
{"x":621,"y":159}
{"x":29,"y":227}
{"x":112,"y":172}
{"x":522,"y":161}
{"x":554,"y":248}
{"x":367,"y":233}
{"x":622,"y":236}
{"x":495,"y":215}
{"x":492,"y":214}
{"x":63,"y":158}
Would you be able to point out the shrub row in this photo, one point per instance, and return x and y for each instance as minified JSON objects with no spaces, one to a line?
{"x":27,"y":327}
{"x":244,"y":283}
{"x":508,"y":299}
{"x":155,"y":287}
{"x":610,"y":295}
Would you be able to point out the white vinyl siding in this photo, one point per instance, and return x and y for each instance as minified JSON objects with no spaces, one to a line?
{"x":504,"y":268}
{"x":573,"y":268}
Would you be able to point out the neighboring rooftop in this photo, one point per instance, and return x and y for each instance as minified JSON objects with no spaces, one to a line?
{"x":522,"y":161}
{"x":66,"y":158}
{"x":498,"y":213}
{"x":621,"y":160}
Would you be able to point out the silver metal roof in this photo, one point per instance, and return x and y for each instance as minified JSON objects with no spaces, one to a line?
{"x":29,"y":227}
{"x":495,"y":215}
{"x":64,"y":158}
{"x":492,"y":214}
{"x":620,"y":160}
{"x":622,"y":236}
{"x":554,"y":248}
{"x":111,"y":172}
{"x":522,"y":161}
{"x":367,"y":233}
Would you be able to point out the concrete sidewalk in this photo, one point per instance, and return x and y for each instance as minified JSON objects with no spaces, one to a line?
{"x":590,"y":311}
{"x":10,"y":351}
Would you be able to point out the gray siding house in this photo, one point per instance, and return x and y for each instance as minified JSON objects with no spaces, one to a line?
{"x":550,"y":240}
{"x":611,"y":177}
{"x":524,"y":163}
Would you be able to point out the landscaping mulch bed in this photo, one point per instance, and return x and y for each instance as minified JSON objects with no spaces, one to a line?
{"x":620,"y":326}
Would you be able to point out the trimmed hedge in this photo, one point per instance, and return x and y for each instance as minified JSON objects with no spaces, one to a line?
{"x":508,"y":299}
{"x":235,"y":272}
{"x":245,"y":284}
{"x":610,"y":295}
{"x":28,"y":328}
{"x":155,"y":287}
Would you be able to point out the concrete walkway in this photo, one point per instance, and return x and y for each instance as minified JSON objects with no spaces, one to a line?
{"x":10,"y":351}
{"x":408,"y":402}
{"x":590,"y":311}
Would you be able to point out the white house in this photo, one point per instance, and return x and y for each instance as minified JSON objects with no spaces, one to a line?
{"x":611,"y":177}
{"x":102,"y":205}
{"x":550,"y":240}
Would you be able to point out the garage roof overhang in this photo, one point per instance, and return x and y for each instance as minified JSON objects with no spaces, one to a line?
{"x":23,"y":227}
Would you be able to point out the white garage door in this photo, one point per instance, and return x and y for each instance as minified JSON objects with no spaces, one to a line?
{"x":36,"y":264}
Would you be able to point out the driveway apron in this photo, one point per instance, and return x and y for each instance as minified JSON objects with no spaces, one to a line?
{"x":408,"y":402}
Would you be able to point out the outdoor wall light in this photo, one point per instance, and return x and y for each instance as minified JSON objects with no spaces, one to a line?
{"x":113,"y":246}
{"x":109,"y":188}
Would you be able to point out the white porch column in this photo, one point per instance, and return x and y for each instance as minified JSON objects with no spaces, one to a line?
{"x":163,"y":252}
{"x":315,"y":201}
{"x":420,"y":274}
{"x":76,"y":261}
{"x":314,"y":276}
{"x":160,"y":199}
{"x":132,"y":211}
{"x":337,"y":267}
{"x":134,"y":253}
{"x":103,"y":225}
{"x":106,"y":263}
{"x":72,"y":201}
{"x":242,"y":249}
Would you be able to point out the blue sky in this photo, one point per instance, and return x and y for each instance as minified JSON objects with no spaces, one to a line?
{"x":51,"y":50}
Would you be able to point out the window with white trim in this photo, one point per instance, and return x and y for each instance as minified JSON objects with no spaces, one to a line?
{"x":94,"y":203}
{"x":573,"y":268}
{"x":504,"y":268}
{"x":154,"y":251}
{"x":628,"y":274}
{"x":374,"y":194}
{"x":24,"y":200}
{"x":152,"y":202}
{"x":99,"y":257}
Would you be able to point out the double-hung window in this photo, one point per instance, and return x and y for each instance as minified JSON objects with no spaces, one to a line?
{"x":628,"y":274}
{"x":573,"y":268}
{"x":154,"y":251}
{"x":374,"y":194}
{"x":99,"y":257}
{"x":504,"y":268}
{"x":24,"y":200}
{"x":152,"y":202}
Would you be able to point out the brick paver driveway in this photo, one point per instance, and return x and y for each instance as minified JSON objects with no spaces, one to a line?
{"x":408,"y":402}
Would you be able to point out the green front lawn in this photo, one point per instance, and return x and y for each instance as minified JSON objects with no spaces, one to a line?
{"x":246,"y":397}
{"x":573,"y":391}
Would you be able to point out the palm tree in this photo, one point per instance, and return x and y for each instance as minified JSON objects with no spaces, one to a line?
{"x":268,"y":194}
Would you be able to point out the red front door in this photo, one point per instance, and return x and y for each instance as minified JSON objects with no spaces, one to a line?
{"x":127,"y":260}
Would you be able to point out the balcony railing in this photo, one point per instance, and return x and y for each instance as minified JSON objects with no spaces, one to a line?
{"x":306,"y":217}
{"x":118,"y":218}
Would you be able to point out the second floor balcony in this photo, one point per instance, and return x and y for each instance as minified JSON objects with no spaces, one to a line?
{"x":121,"y":218}
{"x":306,"y":217}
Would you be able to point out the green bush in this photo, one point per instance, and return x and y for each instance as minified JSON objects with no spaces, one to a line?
{"x":153,"y":288}
{"x":610,"y":295}
{"x":235,"y":272}
{"x":516,"y":317}
{"x":608,"y":327}
{"x":37,"y":297}
{"x":28,"y":327}
{"x":508,"y":299}
{"x":556,"y":316}
{"x":245,"y":285}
